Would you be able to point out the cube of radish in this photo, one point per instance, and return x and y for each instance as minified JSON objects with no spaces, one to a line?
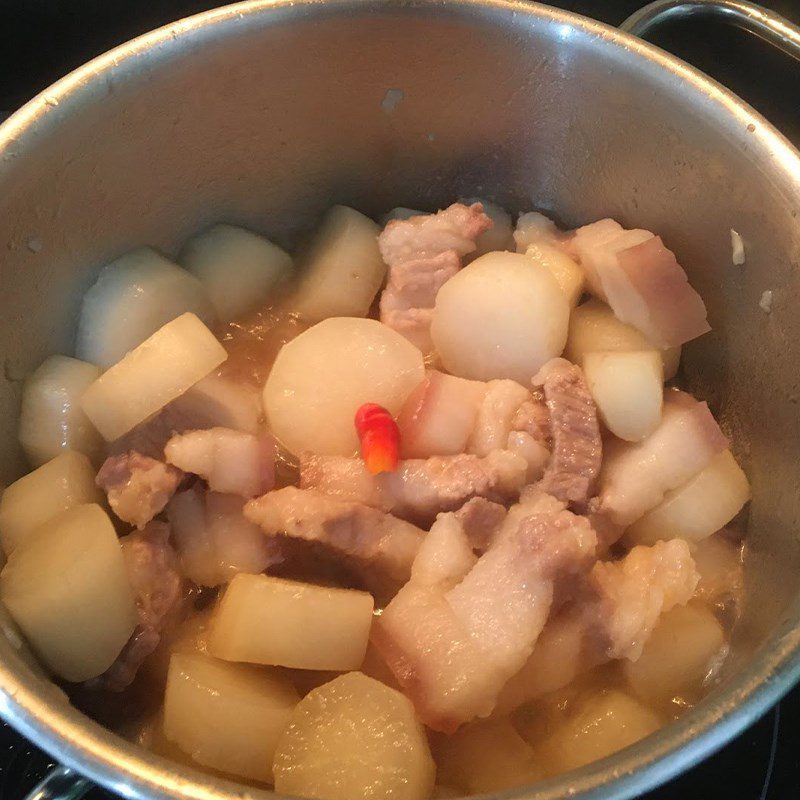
{"x":596,"y":728}
{"x":439,"y":415}
{"x":568,"y":274}
{"x":499,"y":236}
{"x":718,"y":560}
{"x":238,"y":269}
{"x":131,"y":299}
{"x":355,"y":361}
{"x":677,"y":656}
{"x":227,"y":716}
{"x":703,"y":505}
{"x":354,"y":738}
{"x":593,"y":327}
{"x":342,"y":269}
{"x":51,"y":418}
{"x":498,"y":318}
{"x":160,"y":369}
{"x":636,"y":476}
{"x":66,"y":481}
{"x":486,"y":757}
{"x":265,"y":620}
{"x":627,"y":388}
{"x":67,"y":588}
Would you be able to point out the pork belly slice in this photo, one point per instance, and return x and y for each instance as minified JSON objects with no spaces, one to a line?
{"x":636,"y":476}
{"x":460,"y":628}
{"x":159,"y":591}
{"x":420,"y":488}
{"x":414,"y":324}
{"x":572,"y":472}
{"x":612,"y":617}
{"x":214,"y":541}
{"x":138,"y":487}
{"x":415,"y":283}
{"x":230,"y":461}
{"x":355,"y":531}
{"x":642,"y":282}
{"x":535,"y":228}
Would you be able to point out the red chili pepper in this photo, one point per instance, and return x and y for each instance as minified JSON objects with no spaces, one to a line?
{"x":380,"y":438}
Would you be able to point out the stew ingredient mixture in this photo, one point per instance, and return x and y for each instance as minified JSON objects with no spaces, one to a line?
{"x":411,"y":514}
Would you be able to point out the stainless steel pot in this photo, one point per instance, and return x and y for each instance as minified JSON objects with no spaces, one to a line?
{"x":265,"y":113}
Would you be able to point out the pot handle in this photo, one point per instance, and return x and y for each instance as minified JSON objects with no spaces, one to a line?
{"x":765,"y":24}
{"x":61,"y":783}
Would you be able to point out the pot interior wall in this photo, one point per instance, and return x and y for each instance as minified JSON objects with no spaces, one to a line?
{"x":283,"y":115}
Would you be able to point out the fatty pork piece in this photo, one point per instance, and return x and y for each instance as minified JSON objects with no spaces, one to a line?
{"x":636,"y":476}
{"x":230,"y":461}
{"x":611,"y":617}
{"x":642,"y":281}
{"x":572,"y":472}
{"x":462,"y":626}
{"x":213,"y":539}
{"x":159,"y":592}
{"x":420,"y":488}
{"x":213,"y":402}
{"x":138,"y":487}
{"x":422,"y":253}
{"x":380,"y":544}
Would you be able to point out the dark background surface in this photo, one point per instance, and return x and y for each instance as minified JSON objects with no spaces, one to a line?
{"x":41,"y":40}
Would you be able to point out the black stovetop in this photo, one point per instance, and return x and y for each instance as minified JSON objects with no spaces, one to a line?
{"x":40,"y":40}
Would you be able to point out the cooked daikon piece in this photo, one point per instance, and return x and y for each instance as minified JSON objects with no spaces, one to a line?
{"x":595,"y":728}
{"x":342,"y":269}
{"x":238,"y":269}
{"x":65,"y":481}
{"x":160,"y":369}
{"x":67,"y":588}
{"x":266,"y":620}
{"x":51,"y":418}
{"x":354,"y":737}
{"x":677,"y":656}
{"x":484,"y":757}
{"x":498,"y":318}
{"x":438,"y":417}
{"x":131,"y":299}
{"x":567,"y":273}
{"x":321,"y":378}
{"x":227,"y":716}
{"x":719,"y":563}
{"x":593,"y":327}
{"x":703,"y":505}
{"x":627,"y":388}
{"x":535,"y":228}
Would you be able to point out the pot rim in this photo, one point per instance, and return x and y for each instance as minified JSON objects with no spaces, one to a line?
{"x":31,"y":705}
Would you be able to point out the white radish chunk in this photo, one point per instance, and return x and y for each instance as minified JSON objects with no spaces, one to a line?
{"x":718,"y":560}
{"x":67,"y":588}
{"x":160,"y":369}
{"x":677,"y":656}
{"x":636,"y":476}
{"x":702,"y":506}
{"x":213,"y":539}
{"x":568,"y":275}
{"x":484,"y":757}
{"x":265,"y":620}
{"x":439,"y":415}
{"x":51,"y":418}
{"x":238,"y":269}
{"x":627,"y":388}
{"x":499,"y":236}
{"x":354,"y":738}
{"x":64,"y":482}
{"x":342,"y":270}
{"x":499,"y":318}
{"x":131,"y":299}
{"x":321,"y":377}
{"x":227,"y":716}
{"x":593,"y":327}
{"x":595,"y":728}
